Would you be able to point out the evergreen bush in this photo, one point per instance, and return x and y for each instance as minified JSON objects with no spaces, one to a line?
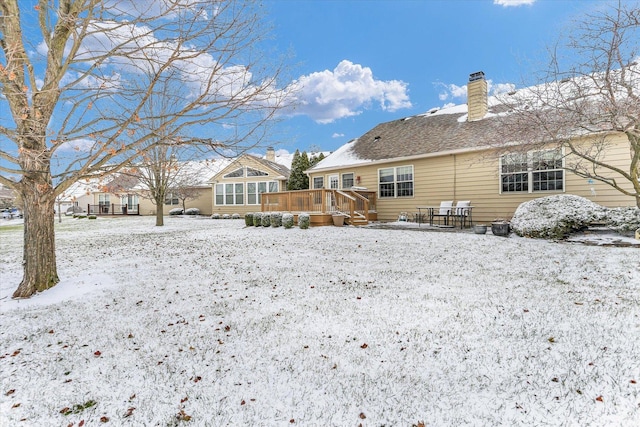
{"x":276,"y":219}
{"x":266,"y":219}
{"x":215,"y":216}
{"x":248,"y":219}
{"x":226,"y":216}
{"x":257,"y":219}
{"x":192,"y":211}
{"x":287,"y":220}
{"x":304,"y":220}
{"x":235,"y":216}
{"x":92,"y":217}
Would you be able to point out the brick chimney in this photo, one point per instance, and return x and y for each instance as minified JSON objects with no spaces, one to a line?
{"x":477,"y":96}
{"x":271,"y":154}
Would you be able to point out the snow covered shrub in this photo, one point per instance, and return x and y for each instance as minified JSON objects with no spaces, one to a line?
{"x":287,"y":220}
{"x":623,"y":219}
{"x":192,"y":211}
{"x":555,"y":217}
{"x":226,"y":216}
{"x":303,"y":221}
{"x":248,"y":219}
{"x":266,"y":219}
{"x":235,"y":216}
{"x":215,"y":216}
{"x":175,"y":211}
{"x":276,"y":219}
{"x":257,"y":219}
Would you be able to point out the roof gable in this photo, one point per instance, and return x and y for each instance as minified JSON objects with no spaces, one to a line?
{"x":249,"y":163}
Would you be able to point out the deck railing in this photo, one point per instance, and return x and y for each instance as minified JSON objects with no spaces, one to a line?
{"x":113,"y":209}
{"x":351,"y":203}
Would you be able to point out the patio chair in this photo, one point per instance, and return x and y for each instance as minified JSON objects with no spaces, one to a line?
{"x":443,"y":212}
{"x":462,"y":212}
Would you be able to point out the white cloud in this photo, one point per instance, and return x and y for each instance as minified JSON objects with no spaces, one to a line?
{"x":452,"y":91}
{"x":346,"y":91}
{"x":509,"y":3}
{"x":337,"y":135}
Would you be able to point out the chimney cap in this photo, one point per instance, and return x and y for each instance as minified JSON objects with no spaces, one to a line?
{"x":476,"y":76}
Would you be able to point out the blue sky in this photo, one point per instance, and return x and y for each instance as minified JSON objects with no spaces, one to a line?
{"x":375,"y":61}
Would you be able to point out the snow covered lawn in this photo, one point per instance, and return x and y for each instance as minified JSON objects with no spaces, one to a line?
{"x":206,"y":322}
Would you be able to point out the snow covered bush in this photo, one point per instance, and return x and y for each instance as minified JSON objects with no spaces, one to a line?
{"x":226,"y":216}
{"x":248,"y":219}
{"x":287,"y":220}
{"x":235,"y":216}
{"x":303,"y":221}
{"x":192,"y":211}
{"x":623,"y":219}
{"x":175,"y":211}
{"x":257,"y":219}
{"x":276,"y":219}
{"x":555,"y":217}
{"x":266,"y":219}
{"x":215,"y":216}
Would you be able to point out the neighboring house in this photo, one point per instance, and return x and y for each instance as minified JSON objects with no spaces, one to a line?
{"x":7,"y":197}
{"x":238,"y":187}
{"x":449,"y":154}
{"x":109,"y":195}
{"x":194,"y":182}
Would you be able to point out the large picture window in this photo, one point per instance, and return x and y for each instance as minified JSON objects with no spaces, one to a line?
{"x":230,"y":194}
{"x":255,"y":190}
{"x":395,"y":182}
{"x":532,"y":172}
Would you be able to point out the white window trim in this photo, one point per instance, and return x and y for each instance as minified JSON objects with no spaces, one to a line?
{"x":395,"y":182}
{"x":530,"y":173}
{"x":342,"y":179}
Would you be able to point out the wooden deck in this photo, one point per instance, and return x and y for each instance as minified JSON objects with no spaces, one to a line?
{"x":357,"y":206}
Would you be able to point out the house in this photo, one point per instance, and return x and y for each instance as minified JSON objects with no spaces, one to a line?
{"x":238,"y":187}
{"x":108,"y":195}
{"x":450,"y":154}
{"x":191,"y":185}
{"x":7,"y":197}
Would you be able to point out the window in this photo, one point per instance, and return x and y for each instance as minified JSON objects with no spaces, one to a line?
{"x":396,"y":182}
{"x":238,"y":173}
{"x":230,"y":194}
{"x":255,"y":172}
{"x":333,"y":181}
{"x":255,"y":190}
{"x":318,"y":182}
{"x":233,"y":193}
{"x":532,"y":172}
{"x":103,"y":200}
{"x":130,"y":201}
{"x":347,"y":180}
{"x":171,"y":199}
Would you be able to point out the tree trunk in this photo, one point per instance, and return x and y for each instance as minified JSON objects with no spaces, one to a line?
{"x":159,"y":211}
{"x":39,"y":259}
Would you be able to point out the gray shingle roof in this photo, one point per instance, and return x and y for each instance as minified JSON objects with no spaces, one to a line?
{"x":426,"y":134}
{"x":281,"y":169}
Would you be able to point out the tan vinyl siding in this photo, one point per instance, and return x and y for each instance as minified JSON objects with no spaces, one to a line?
{"x":243,"y":162}
{"x":475,"y":177}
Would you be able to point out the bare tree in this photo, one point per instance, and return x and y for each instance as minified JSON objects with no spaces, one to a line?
{"x":587,"y":98}
{"x":77,"y":95}
{"x":185,"y":193}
